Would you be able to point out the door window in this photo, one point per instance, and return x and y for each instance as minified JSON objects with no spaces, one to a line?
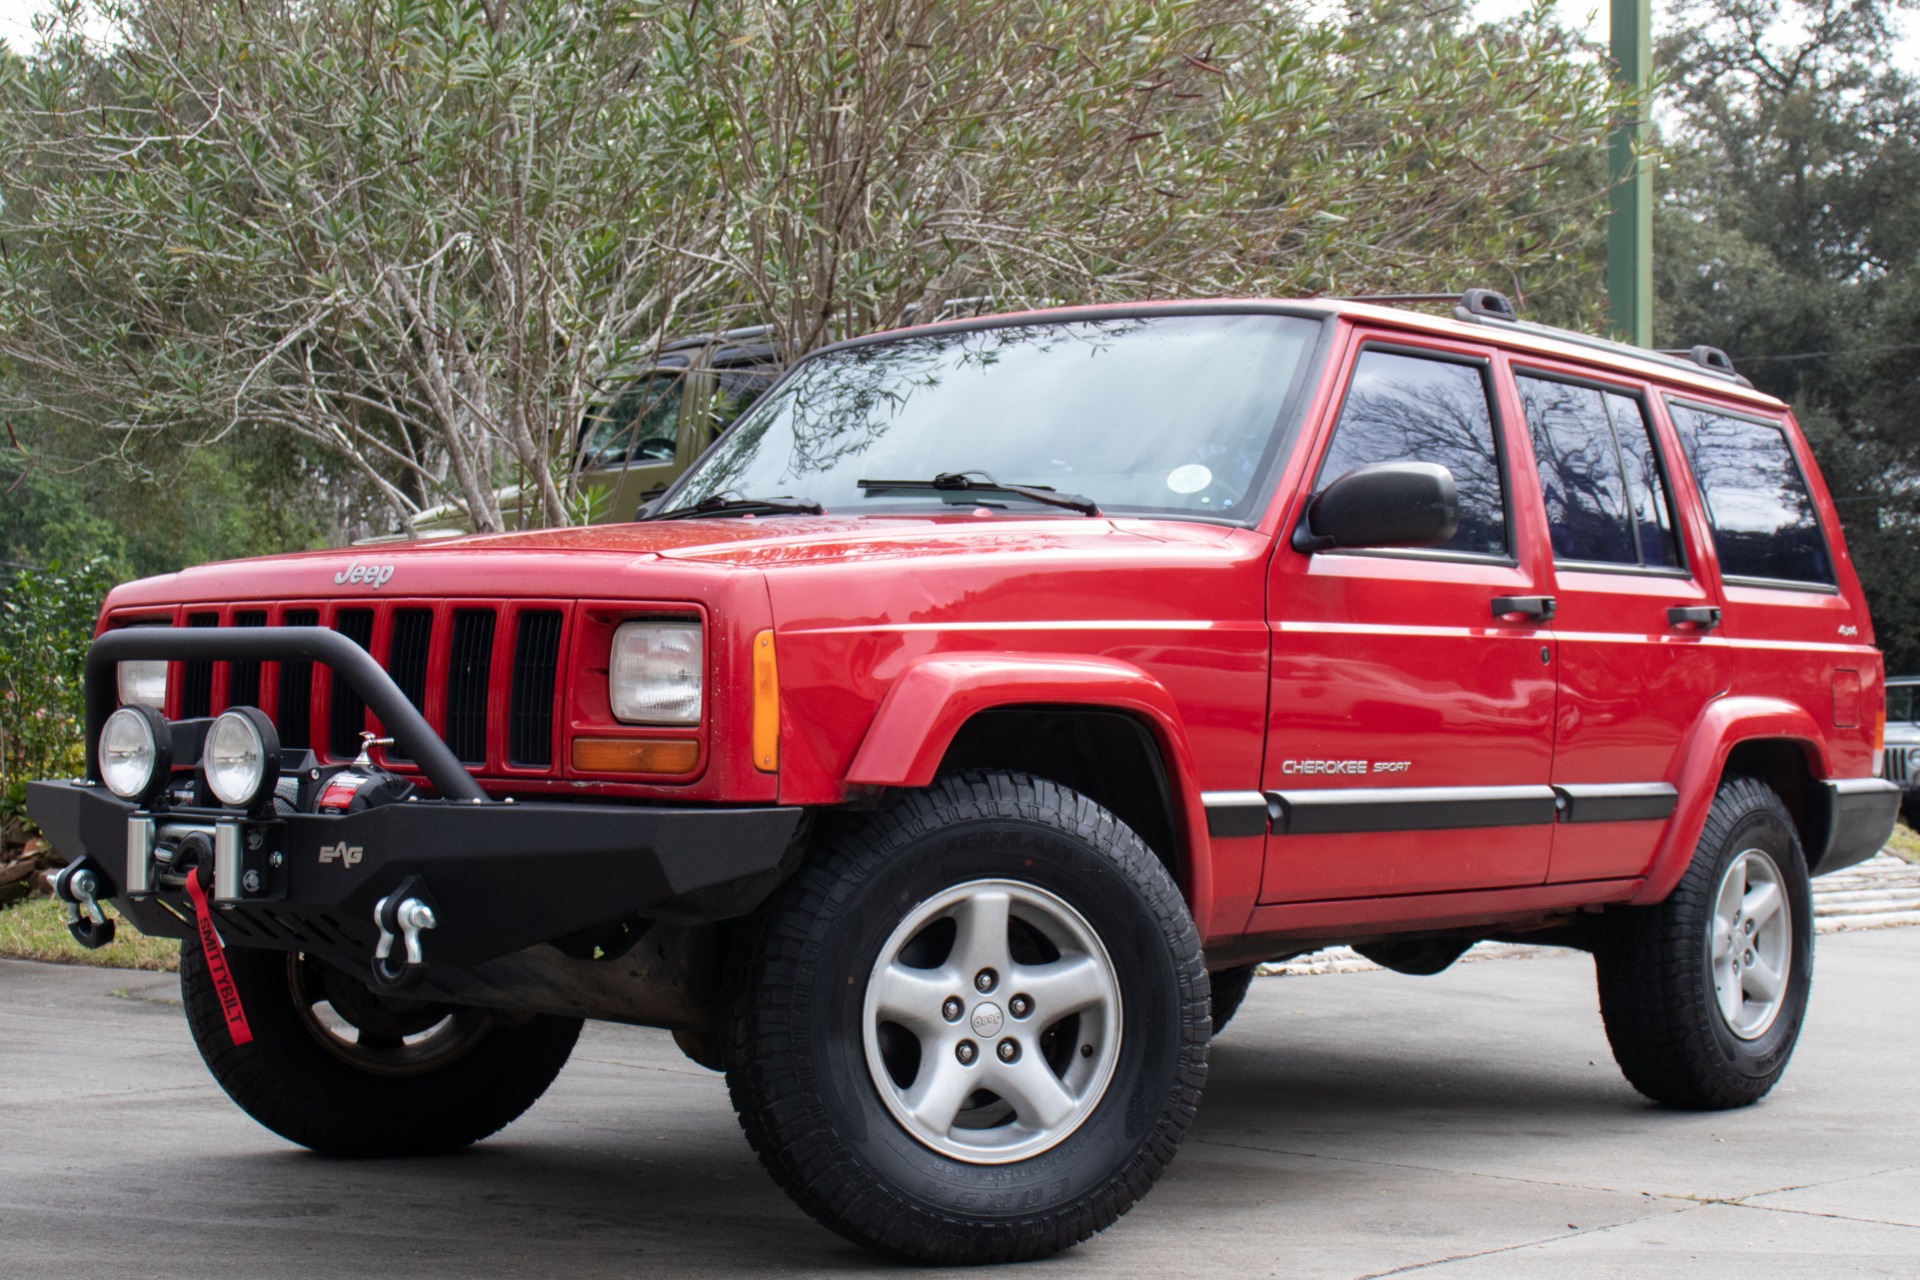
{"x":1900,"y":702}
{"x":1402,"y":408}
{"x":1600,"y":476}
{"x":641,"y":425}
{"x":1764,"y":524}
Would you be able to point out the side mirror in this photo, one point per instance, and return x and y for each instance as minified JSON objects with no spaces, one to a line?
{"x":1385,"y":504}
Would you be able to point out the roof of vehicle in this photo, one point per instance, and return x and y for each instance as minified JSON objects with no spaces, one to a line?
{"x":1475,"y":319}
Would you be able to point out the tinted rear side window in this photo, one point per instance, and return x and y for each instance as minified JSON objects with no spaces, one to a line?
{"x":1606,"y":501}
{"x":1409,"y":409}
{"x":1764,"y":524}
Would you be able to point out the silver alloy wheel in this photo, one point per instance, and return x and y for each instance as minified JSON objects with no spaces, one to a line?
{"x":1751,"y":936}
{"x":1001,"y":1045}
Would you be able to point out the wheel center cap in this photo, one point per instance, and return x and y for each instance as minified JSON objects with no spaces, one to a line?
{"x":987,"y":1020}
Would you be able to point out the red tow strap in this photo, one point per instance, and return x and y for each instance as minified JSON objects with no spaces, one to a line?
{"x":216,"y":953}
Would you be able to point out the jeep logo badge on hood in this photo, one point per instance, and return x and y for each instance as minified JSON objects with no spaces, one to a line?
{"x":373,"y":575}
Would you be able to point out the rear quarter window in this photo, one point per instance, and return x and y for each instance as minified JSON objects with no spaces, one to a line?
{"x":1764,"y":522}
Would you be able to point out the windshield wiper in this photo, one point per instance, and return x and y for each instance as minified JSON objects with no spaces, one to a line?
{"x":720,"y":504}
{"x":951,"y":481}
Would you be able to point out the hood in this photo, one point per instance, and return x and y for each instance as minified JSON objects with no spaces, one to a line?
{"x":590,"y":561}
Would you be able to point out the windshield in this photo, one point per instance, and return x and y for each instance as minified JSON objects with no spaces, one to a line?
{"x":1163,"y":414}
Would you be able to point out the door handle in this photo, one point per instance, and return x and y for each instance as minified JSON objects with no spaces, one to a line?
{"x":1539,"y":608}
{"x":1703,"y":617}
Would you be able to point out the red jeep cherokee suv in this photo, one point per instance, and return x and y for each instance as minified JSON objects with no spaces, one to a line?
{"x":940,"y":754}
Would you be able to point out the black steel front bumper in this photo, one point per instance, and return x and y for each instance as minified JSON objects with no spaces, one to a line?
{"x":502,"y":876}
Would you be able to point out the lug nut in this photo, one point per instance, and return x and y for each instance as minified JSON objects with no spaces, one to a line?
{"x":985,"y":980}
{"x":1020,"y":1006}
{"x":965,"y":1051}
{"x":952,"y":1009}
{"x":1009,"y":1050}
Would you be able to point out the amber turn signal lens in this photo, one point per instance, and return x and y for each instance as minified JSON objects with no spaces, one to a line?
{"x":635,"y":755}
{"x":766,"y":705}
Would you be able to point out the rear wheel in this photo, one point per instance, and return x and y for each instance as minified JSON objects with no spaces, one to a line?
{"x":347,"y":1071}
{"x":974,"y":1027}
{"x":1703,"y":994}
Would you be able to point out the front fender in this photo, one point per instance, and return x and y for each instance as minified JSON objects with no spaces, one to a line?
{"x":927,"y":705}
{"x":1724,"y":725}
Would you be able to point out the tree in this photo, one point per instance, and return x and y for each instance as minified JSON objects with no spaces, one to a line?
{"x":1788,"y":234}
{"x":425,"y":234}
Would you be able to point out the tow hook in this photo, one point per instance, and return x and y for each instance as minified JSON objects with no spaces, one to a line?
{"x":404,"y":914}
{"x":79,"y":887}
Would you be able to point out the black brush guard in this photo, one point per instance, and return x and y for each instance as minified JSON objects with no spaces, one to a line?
{"x":500,"y":875}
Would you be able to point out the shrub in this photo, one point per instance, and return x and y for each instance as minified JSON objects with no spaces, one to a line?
{"x":46,"y":623}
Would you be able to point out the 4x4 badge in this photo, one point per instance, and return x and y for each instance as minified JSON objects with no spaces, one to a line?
{"x":348,"y":855}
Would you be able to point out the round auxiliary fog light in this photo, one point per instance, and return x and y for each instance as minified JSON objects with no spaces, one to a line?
{"x":136,"y":753}
{"x":242,"y":758}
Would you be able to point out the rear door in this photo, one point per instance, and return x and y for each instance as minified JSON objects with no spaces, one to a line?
{"x":1636,"y":619}
{"x":1410,"y":729}
{"x":1798,"y":636}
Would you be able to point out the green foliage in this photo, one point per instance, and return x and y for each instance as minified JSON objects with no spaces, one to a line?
{"x":1788,"y":234}
{"x":46,"y":624}
{"x":37,"y":930}
{"x":415,"y":235}
{"x":158,"y":516}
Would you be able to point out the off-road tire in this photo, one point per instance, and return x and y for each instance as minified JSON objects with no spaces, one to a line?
{"x":1229,"y":990}
{"x":1654,"y":968}
{"x":801,"y":1083}
{"x":289,"y":1082}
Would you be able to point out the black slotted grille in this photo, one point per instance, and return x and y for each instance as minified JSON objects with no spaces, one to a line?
{"x":536,"y":658}
{"x":294,"y":716}
{"x":407,"y":660}
{"x":469,"y":662}
{"x":196,"y":676}
{"x":243,"y":678}
{"x":349,"y":713}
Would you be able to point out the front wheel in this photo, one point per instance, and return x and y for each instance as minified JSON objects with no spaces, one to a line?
{"x":347,"y":1071}
{"x":974,"y":1028}
{"x":1703,"y":994}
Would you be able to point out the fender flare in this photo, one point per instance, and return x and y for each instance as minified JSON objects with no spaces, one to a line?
{"x":1724,"y":725}
{"x":928,"y":703}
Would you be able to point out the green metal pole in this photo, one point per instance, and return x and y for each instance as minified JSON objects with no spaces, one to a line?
{"x":1630,"y":217}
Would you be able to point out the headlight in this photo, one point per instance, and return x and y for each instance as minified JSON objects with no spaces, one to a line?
{"x":144,"y":684}
{"x":136,"y":753}
{"x":242,"y":758}
{"x":654,"y":673}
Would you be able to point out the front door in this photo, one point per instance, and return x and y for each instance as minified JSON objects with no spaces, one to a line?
{"x":1410,"y":725}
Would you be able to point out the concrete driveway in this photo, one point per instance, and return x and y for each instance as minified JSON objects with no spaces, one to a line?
{"x":1356,"y":1124}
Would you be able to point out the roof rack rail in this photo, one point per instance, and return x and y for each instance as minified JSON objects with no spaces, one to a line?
{"x":1392,"y":299}
{"x":1479,"y":306}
